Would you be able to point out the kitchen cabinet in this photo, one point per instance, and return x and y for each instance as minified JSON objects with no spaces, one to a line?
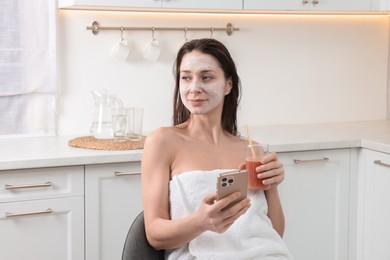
{"x":112,"y":201}
{"x":376,"y":208}
{"x":315,"y":199}
{"x":110,"y":3}
{"x":203,"y":4}
{"x":259,"y":5}
{"x":171,"y":4}
{"x":308,"y":5}
{"x":42,"y":213}
{"x":380,"y":5}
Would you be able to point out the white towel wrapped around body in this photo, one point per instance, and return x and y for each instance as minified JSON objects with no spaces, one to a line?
{"x":250,"y":237}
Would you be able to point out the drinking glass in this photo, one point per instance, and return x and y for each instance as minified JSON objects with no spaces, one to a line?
{"x":135,"y":121}
{"x":253,"y":155}
{"x":120,"y":124}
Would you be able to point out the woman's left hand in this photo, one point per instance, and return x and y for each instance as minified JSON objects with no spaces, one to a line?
{"x":271,"y":170}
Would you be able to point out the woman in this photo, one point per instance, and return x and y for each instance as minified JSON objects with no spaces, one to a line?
{"x":180,"y":165}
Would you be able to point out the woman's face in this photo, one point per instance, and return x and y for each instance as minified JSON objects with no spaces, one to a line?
{"x":202,"y":83}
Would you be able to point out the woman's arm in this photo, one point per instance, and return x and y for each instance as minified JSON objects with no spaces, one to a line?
{"x":163,"y":233}
{"x":273,"y":170}
{"x":156,"y":160}
{"x":275,"y":211}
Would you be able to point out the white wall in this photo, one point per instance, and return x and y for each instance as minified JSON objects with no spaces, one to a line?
{"x":294,"y":69}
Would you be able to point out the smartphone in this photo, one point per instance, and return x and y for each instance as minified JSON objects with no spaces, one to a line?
{"x":229,"y":182}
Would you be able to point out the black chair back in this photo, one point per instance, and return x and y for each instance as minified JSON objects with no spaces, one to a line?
{"x":137,"y":246}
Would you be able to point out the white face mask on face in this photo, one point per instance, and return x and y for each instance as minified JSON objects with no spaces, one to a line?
{"x":202,"y":83}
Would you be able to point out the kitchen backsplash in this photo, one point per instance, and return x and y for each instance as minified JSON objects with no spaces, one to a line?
{"x":294,"y":69}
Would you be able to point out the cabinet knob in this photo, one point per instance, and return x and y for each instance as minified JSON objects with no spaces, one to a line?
{"x":305,"y":1}
{"x":315,"y":2}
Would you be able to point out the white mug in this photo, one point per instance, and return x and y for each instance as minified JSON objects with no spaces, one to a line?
{"x":121,"y":50}
{"x":152,"y":50}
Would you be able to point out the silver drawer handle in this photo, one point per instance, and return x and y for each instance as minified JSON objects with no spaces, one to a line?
{"x":325,"y":159}
{"x":381,"y":163}
{"x":11,"y":214}
{"x":25,"y":186}
{"x":127,"y":173}
{"x":315,"y":2}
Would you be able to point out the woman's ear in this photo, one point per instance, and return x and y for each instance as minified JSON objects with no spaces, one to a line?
{"x":229,"y":85}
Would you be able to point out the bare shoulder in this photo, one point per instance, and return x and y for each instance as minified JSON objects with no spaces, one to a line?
{"x":162,"y":138}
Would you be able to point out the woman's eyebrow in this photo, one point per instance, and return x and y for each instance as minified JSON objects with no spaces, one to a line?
{"x":201,"y":70}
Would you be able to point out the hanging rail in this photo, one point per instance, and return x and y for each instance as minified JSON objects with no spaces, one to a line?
{"x":95,"y":28}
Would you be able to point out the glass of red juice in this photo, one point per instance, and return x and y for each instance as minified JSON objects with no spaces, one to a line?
{"x":253,"y":154}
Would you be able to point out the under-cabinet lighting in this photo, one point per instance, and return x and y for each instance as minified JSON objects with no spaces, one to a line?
{"x":218,"y":11}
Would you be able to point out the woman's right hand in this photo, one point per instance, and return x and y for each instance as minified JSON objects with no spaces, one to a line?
{"x":214,"y":215}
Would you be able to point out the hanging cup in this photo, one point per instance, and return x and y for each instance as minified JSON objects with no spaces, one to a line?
{"x":152,"y":49}
{"x":121,"y":49}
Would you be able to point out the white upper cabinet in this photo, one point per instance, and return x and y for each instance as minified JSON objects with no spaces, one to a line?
{"x":110,"y":3}
{"x":258,"y":5}
{"x":380,"y":5}
{"x":306,"y":5}
{"x":173,"y":4}
{"x":275,"y":5}
{"x":203,"y":4}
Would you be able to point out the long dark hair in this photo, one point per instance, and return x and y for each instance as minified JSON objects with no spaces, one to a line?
{"x":216,"y":49}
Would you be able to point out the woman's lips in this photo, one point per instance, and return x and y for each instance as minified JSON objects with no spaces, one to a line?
{"x":196,"y":102}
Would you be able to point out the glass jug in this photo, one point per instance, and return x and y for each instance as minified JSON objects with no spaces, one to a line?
{"x":101,"y":124}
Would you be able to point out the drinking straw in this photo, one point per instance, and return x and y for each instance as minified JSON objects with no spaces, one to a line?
{"x":249,"y":141}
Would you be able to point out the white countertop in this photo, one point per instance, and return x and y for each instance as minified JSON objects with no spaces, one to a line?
{"x":374,"y":135}
{"x":54,"y":151}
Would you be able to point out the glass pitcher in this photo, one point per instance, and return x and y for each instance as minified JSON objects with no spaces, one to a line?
{"x":101,"y":127}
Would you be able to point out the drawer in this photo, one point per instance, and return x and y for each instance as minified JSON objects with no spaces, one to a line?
{"x":41,"y":183}
{"x":42,"y":229}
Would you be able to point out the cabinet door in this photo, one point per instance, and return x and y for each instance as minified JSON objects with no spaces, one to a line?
{"x":322,"y":5}
{"x":315,"y":199}
{"x":340,"y":5}
{"x":112,"y":201}
{"x":282,"y":5}
{"x":42,"y":229}
{"x":203,"y":4}
{"x":380,"y":5}
{"x":376,"y":235}
{"x":110,"y":3}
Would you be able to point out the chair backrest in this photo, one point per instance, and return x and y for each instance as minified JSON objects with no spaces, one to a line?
{"x":136,"y":245}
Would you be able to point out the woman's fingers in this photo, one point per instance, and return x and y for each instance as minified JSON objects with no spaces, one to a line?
{"x":242,"y":167}
{"x":217,"y":216}
{"x":209,"y":198}
{"x":231,"y":214}
{"x":272,"y":171}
